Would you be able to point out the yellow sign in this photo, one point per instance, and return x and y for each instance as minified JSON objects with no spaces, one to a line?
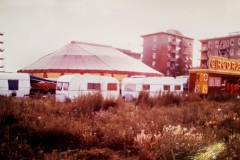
{"x":225,"y":64}
{"x":201,"y":84}
{"x":204,"y":89}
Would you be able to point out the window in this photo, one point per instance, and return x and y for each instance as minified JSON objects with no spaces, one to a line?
{"x":231,"y":42}
{"x":154,"y":47}
{"x":59,"y":86}
{"x":170,"y":38}
{"x":130,"y":87}
{"x":146,"y":87}
{"x":168,"y":56}
{"x":209,"y":44}
{"x":13,"y":84}
{"x":216,"y":44}
{"x":227,"y":43}
{"x":238,"y":52}
{"x":112,"y":86}
{"x":154,"y":55}
{"x":168,"y":73}
{"x":231,"y":52}
{"x":166,"y":87}
{"x":177,"y":87}
{"x":153,"y":63}
{"x":168,"y":64}
{"x":95,"y":86}
{"x":65,"y":86}
{"x":154,"y":38}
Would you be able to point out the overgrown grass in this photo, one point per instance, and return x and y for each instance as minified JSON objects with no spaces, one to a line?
{"x":166,"y":127}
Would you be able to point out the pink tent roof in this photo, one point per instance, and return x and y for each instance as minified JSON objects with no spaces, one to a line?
{"x":79,"y":56}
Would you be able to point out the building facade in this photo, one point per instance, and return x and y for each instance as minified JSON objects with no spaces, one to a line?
{"x":168,"y":52}
{"x":227,"y":46}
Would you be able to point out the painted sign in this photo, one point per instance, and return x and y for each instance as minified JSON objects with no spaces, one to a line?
{"x":224,"y":64}
{"x":201,"y":84}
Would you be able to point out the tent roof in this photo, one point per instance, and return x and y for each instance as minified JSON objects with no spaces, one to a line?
{"x":80,"y":56}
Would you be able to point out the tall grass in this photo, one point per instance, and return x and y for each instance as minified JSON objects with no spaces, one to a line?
{"x":91,"y":127}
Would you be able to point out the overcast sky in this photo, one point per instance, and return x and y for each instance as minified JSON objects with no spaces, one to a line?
{"x":35,"y":28}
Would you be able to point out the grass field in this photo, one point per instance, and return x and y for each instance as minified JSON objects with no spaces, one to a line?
{"x":167,"y":127}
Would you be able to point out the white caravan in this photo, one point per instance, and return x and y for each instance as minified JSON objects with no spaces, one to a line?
{"x":131,"y":87}
{"x":14,"y":84}
{"x":154,"y":85}
{"x":161,"y":85}
{"x":73,"y":86}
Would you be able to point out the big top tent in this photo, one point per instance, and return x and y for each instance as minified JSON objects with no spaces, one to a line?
{"x":88,"y":58}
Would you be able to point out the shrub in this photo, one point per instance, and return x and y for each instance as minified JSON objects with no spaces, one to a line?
{"x":44,"y":129}
{"x":87,"y":104}
{"x":221,"y":97}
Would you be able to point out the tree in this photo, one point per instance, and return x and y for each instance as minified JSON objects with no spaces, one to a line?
{"x":180,"y":67}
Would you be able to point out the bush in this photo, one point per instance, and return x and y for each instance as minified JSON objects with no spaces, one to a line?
{"x":221,"y":97}
{"x":163,"y":99}
{"x":93,"y":128}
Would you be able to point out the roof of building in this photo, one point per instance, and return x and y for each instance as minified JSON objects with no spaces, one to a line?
{"x":230,"y":35}
{"x":81,"y":56}
{"x":170,"y":32}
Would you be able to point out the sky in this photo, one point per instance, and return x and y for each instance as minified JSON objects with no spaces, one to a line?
{"x":33,"y":28}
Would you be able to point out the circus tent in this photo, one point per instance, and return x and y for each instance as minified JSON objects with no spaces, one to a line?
{"x":88,"y":58}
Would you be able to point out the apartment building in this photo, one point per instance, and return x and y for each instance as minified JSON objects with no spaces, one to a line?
{"x":226,"y":46}
{"x":168,"y":52}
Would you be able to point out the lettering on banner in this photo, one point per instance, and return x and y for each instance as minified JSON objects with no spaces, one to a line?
{"x":220,"y":63}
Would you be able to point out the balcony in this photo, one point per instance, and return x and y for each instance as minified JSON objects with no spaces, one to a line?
{"x":204,"y":58}
{"x":223,"y":47}
{"x":172,"y":68}
{"x":172,"y":59}
{"x":174,"y":51}
{"x":173,"y":43}
{"x":184,"y":53}
{"x":204,"y":49}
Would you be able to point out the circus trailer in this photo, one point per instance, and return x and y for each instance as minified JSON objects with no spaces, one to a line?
{"x":14,"y":84}
{"x":73,"y":86}
{"x":222,"y":75}
{"x":161,"y":85}
{"x":131,"y":86}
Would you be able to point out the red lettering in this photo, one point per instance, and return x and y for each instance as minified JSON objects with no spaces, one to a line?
{"x":219,"y":63}
{"x":232,"y":66}
{"x":212,"y":63}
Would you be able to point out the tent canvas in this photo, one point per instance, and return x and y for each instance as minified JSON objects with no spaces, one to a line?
{"x":80,"y":57}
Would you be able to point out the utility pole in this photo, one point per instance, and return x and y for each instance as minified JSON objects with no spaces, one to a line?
{"x":1,"y":54}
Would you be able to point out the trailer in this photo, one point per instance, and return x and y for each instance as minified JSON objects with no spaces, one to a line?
{"x":73,"y":86}
{"x":162,"y":85}
{"x":14,"y":84}
{"x":132,"y":86}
